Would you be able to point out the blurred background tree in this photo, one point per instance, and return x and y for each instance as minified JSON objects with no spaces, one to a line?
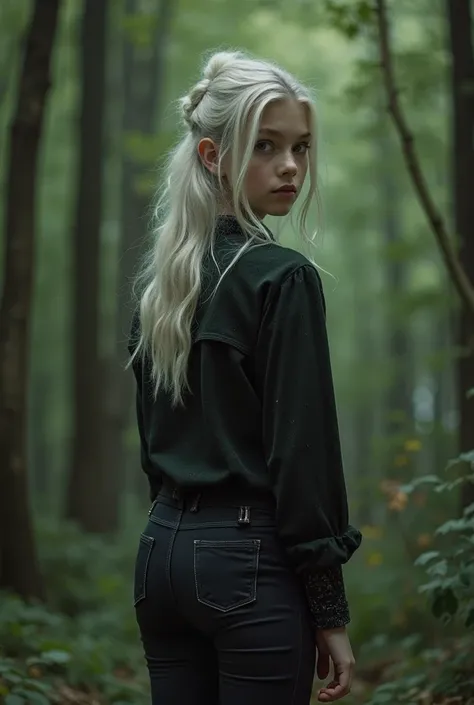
{"x":401,"y":336}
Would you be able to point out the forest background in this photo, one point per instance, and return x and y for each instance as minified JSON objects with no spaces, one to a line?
{"x":87,"y":115}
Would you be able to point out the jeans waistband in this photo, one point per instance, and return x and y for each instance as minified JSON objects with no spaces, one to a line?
{"x":242,"y":501}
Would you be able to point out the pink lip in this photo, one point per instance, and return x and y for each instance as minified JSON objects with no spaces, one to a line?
{"x":286,"y":189}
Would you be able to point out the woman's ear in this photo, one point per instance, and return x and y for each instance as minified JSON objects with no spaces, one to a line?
{"x":209,"y":154}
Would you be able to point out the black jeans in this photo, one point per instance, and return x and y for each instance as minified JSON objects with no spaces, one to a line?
{"x":222,"y":616}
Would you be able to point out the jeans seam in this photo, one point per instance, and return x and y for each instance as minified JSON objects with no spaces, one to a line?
{"x":175,"y":528}
{"x":225,"y":524}
{"x":256,"y":543}
{"x":299,"y":659}
{"x":164,"y":522}
{"x":257,"y":560}
{"x":250,"y":543}
{"x":149,"y":542}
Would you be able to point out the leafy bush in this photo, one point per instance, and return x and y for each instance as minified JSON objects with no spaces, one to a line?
{"x":432,"y":674}
{"x":86,"y":641}
{"x":85,"y":571}
{"x":451,"y":569}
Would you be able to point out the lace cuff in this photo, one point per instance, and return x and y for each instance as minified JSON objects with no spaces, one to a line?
{"x":326,"y":597}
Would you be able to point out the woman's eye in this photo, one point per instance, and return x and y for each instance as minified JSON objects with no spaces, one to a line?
{"x":263,"y":146}
{"x":302,"y":148}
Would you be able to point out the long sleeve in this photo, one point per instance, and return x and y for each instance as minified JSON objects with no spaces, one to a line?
{"x":138,"y":373}
{"x":301,"y":442}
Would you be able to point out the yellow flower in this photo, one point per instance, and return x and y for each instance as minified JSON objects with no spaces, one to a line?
{"x":375,"y":559}
{"x":413,"y":445}
{"x":400,"y":461}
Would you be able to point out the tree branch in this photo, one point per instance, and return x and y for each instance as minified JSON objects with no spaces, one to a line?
{"x":459,"y":277}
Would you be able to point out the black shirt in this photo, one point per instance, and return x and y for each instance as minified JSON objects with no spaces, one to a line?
{"x":261,"y":413}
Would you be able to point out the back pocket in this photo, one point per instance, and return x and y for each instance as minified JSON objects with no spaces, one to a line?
{"x":226,"y":572}
{"x":145,"y":548}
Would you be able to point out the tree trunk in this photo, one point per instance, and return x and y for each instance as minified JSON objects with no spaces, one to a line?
{"x":87,"y":490}
{"x":462,"y":82}
{"x":143,"y":73}
{"x":19,"y":569}
{"x":39,"y":443}
{"x":398,"y":401}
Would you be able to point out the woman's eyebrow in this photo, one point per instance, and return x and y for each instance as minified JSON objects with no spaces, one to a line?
{"x":277,"y":133}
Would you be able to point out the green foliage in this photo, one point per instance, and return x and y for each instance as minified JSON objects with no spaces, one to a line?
{"x":430,"y":675}
{"x":87,"y":637}
{"x":84,"y":571}
{"x":448,"y":670}
{"x":350,"y":18}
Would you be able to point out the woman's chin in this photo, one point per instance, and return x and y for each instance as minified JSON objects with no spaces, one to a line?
{"x":280,"y":209}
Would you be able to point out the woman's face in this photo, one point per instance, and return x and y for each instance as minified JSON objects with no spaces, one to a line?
{"x":279,"y":163}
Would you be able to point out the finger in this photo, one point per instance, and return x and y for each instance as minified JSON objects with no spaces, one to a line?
{"x":323,"y":665}
{"x":333,"y":691}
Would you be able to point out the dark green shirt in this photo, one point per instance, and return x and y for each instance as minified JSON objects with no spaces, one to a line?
{"x":261,"y":412}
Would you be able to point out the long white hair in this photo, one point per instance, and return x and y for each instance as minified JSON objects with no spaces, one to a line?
{"x":226,"y":105}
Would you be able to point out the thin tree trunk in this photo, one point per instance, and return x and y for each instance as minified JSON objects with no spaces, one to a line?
{"x":459,"y":276}
{"x":87,"y":490}
{"x":19,"y":568}
{"x":462,"y":82}
{"x":399,"y":391}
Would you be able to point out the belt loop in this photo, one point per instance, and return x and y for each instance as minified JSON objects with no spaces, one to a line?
{"x":175,"y":494}
{"x":195,"y":505}
{"x":152,"y":506}
{"x":244,"y":515}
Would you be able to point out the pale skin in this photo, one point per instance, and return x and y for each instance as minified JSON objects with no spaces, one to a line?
{"x":280,"y":159}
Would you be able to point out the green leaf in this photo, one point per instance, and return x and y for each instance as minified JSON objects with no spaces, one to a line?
{"x":8,"y":666}
{"x":470,"y":619}
{"x":469,"y":510}
{"x":58,"y":657}
{"x":426,"y":557}
{"x":462,"y":458}
{"x":433,"y":585}
{"x":32,"y":696}
{"x":12,"y":699}
{"x":445,"y":602}
{"x":37,"y":698}
{"x":424,"y":480}
{"x":438,"y":569}
{"x":452,"y":525}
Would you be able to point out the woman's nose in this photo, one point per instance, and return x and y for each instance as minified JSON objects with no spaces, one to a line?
{"x":288,"y":164}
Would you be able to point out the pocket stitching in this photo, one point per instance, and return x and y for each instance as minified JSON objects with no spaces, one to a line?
{"x":250,"y":543}
{"x":149,"y":541}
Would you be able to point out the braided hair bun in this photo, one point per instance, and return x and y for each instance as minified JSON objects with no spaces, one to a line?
{"x":215,"y":66}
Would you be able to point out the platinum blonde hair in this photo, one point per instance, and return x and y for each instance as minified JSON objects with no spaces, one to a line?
{"x":226,"y":105}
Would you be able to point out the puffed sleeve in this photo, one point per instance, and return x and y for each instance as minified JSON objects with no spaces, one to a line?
{"x":301,"y":443}
{"x":137,"y":366}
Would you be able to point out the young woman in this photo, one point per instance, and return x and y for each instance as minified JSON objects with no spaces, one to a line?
{"x":238,"y":576}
